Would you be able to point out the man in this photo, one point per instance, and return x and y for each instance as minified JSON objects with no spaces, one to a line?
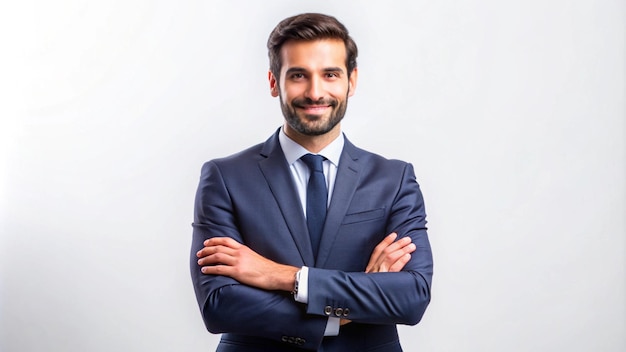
{"x":295,"y":251}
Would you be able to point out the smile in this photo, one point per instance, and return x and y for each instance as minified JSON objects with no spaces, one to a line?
{"x":314,"y":108}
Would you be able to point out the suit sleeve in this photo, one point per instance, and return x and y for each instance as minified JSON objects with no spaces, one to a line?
{"x":228,"y":306}
{"x":382,"y":298}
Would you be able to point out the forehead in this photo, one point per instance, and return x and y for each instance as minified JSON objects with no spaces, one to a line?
{"x":315,"y":54}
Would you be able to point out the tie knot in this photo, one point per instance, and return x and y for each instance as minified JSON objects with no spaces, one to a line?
{"x":314,"y":162}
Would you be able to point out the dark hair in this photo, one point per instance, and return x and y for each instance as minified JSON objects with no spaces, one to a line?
{"x":308,"y":27}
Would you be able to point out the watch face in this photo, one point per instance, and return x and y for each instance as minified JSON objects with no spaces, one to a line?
{"x":295,"y":284}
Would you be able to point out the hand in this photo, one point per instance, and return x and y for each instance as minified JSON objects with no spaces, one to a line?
{"x":390,"y":256}
{"x":227,"y":257}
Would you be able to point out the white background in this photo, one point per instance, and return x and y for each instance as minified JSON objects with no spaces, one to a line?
{"x":512,"y":112}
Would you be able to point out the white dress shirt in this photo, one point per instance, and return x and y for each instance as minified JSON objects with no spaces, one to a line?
{"x":300,"y":172}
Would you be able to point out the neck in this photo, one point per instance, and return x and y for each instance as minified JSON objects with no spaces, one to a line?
{"x":314,"y":144}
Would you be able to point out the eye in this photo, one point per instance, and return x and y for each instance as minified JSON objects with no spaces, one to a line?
{"x":297,"y":76}
{"x":332,"y":75}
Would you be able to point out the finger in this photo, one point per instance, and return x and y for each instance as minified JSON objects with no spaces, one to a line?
{"x":397,"y":245}
{"x":218,"y":259}
{"x":390,"y":253}
{"x":394,"y":261}
{"x":403,"y":242}
{"x":401,"y":246}
{"x":223,"y":241}
{"x":410,"y":248}
{"x":390,"y":259}
{"x":223,"y":270}
{"x":218,"y":255}
{"x":400,"y":263}
{"x":386,"y":242}
{"x":378,"y":250}
{"x":212,"y":249}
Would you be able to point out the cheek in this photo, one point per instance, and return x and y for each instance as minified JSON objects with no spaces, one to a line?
{"x":290,"y":93}
{"x":339,"y":91}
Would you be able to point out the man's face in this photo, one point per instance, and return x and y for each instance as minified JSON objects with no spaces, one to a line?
{"x":314,"y":86}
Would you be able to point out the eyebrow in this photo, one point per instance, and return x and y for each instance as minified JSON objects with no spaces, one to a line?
{"x":326,"y":69}
{"x":334,"y":69}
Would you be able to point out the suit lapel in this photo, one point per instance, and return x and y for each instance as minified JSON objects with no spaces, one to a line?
{"x":345,"y":185}
{"x":276,"y":172}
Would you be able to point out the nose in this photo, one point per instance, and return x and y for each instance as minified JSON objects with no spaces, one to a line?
{"x":315,"y":90}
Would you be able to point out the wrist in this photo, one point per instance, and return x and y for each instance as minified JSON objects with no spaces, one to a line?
{"x":287,"y":279}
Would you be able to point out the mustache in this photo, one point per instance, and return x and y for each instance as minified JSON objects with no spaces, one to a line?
{"x":300,"y":103}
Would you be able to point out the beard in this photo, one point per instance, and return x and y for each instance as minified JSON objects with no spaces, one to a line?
{"x":309,"y":124}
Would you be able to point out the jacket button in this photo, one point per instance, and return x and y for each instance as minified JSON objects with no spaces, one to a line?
{"x":346,"y":312}
{"x":338,"y":312}
{"x":328,"y":310}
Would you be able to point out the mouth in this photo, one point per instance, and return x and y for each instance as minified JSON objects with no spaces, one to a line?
{"x":314,"y":109}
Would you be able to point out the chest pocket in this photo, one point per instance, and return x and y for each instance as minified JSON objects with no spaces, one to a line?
{"x":363,"y":216}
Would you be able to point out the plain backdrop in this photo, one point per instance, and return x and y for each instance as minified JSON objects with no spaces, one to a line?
{"x":512,"y":112}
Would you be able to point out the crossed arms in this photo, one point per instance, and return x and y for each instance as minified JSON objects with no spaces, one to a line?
{"x":227,"y":257}
{"x":243,"y":291}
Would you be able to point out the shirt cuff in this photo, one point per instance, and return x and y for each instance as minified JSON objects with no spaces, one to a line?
{"x":302,"y":295}
{"x":332,"y":326}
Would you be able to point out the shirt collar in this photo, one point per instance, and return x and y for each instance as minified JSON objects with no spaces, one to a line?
{"x":294,"y":151}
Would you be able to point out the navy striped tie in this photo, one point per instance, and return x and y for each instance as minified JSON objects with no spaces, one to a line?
{"x":316,"y":199}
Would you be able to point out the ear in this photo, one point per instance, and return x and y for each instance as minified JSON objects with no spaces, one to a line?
{"x":273,"y":84}
{"x":352,"y":82}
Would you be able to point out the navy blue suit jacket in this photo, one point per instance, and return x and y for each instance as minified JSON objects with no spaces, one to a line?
{"x":251,"y":197}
